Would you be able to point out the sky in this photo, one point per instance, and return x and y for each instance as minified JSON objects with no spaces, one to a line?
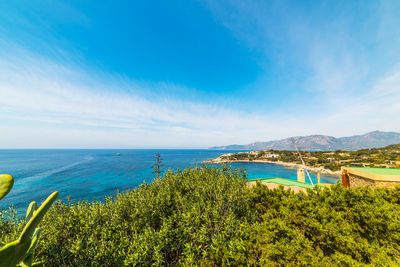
{"x":195,"y":74}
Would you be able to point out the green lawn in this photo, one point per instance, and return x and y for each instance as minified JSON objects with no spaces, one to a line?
{"x":379,"y":171}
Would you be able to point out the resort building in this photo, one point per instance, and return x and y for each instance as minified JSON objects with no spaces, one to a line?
{"x":374,"y":177}
{"x":269,"y":155}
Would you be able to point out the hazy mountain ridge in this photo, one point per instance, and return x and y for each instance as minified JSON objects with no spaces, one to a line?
{"x":324,"y":142}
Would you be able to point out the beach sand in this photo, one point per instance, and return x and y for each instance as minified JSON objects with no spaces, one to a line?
{"x":321,"y":170}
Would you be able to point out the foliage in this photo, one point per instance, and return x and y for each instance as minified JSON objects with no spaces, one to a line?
{"x":208,"y":216}
{"x":6,"y":183}
{"x":20,"y":251}
{"x":385,"y":157}
{"x":335,"y":226}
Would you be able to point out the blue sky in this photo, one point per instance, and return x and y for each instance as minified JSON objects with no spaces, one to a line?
{"x":193,"y":74}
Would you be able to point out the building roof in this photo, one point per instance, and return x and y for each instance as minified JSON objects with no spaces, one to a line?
{"x":378,"y":174}
{"x":285,"y":182}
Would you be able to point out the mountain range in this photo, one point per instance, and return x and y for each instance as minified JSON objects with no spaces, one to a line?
{"x":373,"y":139}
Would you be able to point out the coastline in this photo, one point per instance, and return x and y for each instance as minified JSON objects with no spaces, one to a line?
{"x":289,"y":165}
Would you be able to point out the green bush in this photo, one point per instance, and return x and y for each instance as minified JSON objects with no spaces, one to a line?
{"x":331,"y":226}
{"x":208,"y":216}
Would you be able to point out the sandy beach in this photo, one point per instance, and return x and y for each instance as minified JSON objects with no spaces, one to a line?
{"x":288,"y":165}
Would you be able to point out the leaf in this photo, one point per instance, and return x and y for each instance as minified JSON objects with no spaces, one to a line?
{"x":7,"y":254}
{"x":34,"y":242}
{"x":27,"y":262}
{"x":37,"y":217}
{"x":6,"y":183}
{"x":31,"y":209}
{"x":13,"y":253}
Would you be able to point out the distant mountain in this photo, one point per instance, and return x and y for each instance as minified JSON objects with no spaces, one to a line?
{"x":324,"y":142}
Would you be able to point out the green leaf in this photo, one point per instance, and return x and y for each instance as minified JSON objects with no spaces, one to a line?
{"x":6,"y":183}
{"x":37,"y":217}
{"x":27,"y":262}
{"x":7,"y":254}
{"x":13,"y":253}
{"x":34,"y":242}
{"x":31,"y":209}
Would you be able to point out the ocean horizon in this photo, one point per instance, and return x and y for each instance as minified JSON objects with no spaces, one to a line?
{"x":92,"y":174}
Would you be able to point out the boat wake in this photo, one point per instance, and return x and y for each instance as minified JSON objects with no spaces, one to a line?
{"x":49,"y":173}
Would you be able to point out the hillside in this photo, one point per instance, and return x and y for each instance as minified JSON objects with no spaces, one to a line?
{"x":385,"y":157}
{"x":324,"y":142}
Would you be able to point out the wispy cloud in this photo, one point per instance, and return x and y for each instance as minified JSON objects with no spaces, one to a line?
{"x":50,"y":104}
{"x":335,"y":49}
{"x":60,"y":101}
{"x":39,"y":95}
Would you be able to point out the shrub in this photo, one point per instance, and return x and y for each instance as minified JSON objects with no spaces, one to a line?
{"x":331,"y":226}
{"x":207,"y":216}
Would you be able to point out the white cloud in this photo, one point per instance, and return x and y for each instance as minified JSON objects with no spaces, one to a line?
{"x":44,"y":104}
{"x":49,"y":103}
{"x":343,"y":54}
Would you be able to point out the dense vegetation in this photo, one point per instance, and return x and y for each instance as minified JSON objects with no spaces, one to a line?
{"x":385,"y":157}
{"x":208,"y":216}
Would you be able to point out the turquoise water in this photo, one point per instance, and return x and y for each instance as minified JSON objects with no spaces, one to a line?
{"x":93,"y":174}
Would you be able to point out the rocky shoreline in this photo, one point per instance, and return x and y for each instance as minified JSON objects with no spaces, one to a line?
{"x":289,"y":165}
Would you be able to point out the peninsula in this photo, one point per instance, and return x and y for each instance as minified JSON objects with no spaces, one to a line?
{"x":327,"y":162}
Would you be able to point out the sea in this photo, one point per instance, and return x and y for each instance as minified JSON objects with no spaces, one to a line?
{"x":92,"y":174}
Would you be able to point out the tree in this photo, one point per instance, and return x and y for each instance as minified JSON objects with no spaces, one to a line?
{"x":158,"y":167}
{"x":397,"y":162}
